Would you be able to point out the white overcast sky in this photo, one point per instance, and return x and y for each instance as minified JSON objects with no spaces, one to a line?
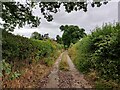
{"x":87,"y":20}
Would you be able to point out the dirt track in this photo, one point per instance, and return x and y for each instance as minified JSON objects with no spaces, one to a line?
{"x":64,"y":79}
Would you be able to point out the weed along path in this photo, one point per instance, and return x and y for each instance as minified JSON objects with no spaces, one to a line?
{"x":78,"y":78}
{"x":52,"y":81}
{"x":65,"y":75}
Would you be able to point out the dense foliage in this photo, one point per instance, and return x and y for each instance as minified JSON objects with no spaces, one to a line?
{"x":18,"y":51}
{"x":19,"y":14}
{"x":100,"y":52}
{"x":59,"y":39}
{"x":38,"y":36}
{"x":24,"y":48}
{"x":71,"y":34}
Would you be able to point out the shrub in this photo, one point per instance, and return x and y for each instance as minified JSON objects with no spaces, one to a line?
{"x":23,"y":48}
{"x":100,"y":51}
{"x":26,"y":51}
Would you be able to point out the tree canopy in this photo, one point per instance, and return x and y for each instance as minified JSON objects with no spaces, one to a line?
{"x":59,"y":39}
{"x":18,"y":14}
{"x":36,"y":35}
{"x":71,"y":34}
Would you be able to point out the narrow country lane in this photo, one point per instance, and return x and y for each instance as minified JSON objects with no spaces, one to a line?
{"x":65,"y":79}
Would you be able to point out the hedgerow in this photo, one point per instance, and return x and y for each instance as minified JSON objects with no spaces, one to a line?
{"x":16,"y":48}
{"x":100,"y":51}
{"x":24,"y":48}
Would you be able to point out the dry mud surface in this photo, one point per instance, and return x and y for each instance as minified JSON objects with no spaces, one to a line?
{"x":64,"y":79}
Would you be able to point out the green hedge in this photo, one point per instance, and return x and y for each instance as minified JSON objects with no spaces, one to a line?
{"x":25,"y":51}
{"x":21,"y":48}
{"x":100,"y":51}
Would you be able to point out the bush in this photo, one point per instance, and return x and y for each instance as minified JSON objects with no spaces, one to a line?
{"x":82,"y":60}
{"x":105,"y":56}
{"x":15,"y":47}
{"x":18,"y":51}
{"x":21,"y":48}
{"x":100,"y":51}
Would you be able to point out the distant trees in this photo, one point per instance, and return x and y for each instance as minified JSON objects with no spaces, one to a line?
{"x":36,"y":35}
{"x":71,"y":34}
{"x":46,"y":36}
{"x":59,"y":39}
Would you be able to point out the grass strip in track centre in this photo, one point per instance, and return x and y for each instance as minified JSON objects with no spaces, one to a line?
{"x":64,"y":64}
